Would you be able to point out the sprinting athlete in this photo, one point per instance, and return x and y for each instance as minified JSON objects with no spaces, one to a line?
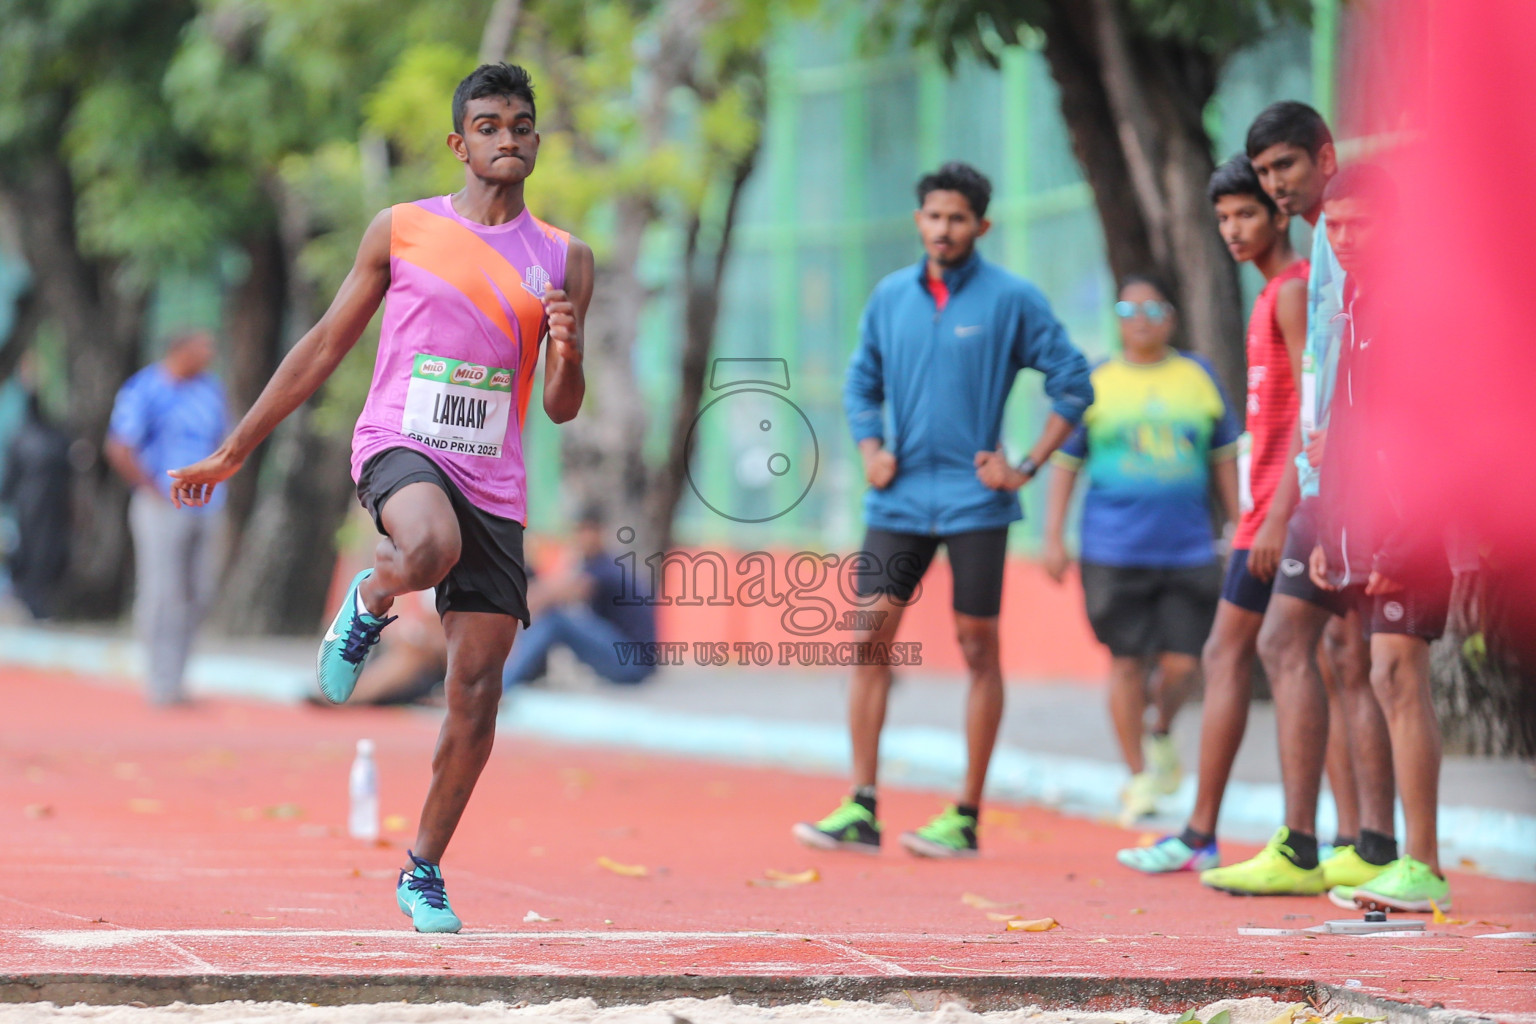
{"x":1255,"y":231}
{"x":471,"y":283}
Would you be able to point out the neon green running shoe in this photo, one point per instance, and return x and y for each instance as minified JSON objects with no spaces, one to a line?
{"x":949,"y":834}
{"x":348,"y":640}
{"x":1405,"y":884}
{"x":1343,"y":896}
{"x":851,"y":827}
{"x":1163,"y":763}
{"x":1270,"y":872}
{"x":422,"y":898}
{"x":1347,"y":868}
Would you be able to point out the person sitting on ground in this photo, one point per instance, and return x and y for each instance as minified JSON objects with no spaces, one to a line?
{"x":592,"y":612}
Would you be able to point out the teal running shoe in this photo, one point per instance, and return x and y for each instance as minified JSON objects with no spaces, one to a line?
{"x":348,"y":640}
{"x":1169,"y":854}
{"x":423,"y":899}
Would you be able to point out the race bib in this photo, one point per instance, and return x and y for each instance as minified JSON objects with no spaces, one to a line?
{"x":458,"y":407}
{"x":1308,"y":395}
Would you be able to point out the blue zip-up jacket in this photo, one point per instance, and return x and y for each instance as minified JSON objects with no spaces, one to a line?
{"x":941,"y":378}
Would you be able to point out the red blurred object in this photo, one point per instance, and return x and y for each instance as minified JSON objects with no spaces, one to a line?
{"x":1463,"y":413}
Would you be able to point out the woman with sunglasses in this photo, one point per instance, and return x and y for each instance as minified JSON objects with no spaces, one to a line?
{"x":1159,"y":433}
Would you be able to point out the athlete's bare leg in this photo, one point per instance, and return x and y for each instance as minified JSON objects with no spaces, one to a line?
{"x":1228,"y":663}
{"x":478,"y":645}
{"x":1369,"y":744}
{"x":1400,"y":678}
{"x":984,"y":703}
{"x":1334,"y":665}
{"x":1128,"y":707}
{"x":1288,"y":645}
{"x":868,"y":693}
{"x":1175,"y":681}
{"x":421,"y":545}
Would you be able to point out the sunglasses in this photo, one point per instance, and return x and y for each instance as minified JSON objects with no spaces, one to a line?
{"x":1151,"y":309}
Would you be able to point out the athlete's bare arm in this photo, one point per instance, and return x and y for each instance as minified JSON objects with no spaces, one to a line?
{"x":565,"y":385}
{"x":303,"y":370}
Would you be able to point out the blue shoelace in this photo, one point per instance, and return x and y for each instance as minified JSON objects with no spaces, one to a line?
{"x":430,"y":885}
{"x":361,"y":636}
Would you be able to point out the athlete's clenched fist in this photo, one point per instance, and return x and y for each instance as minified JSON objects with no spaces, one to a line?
{"x":561,"y":312}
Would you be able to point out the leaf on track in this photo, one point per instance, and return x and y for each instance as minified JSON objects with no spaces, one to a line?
{"x":627,"y":870}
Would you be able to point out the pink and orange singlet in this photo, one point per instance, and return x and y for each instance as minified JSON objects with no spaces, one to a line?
{"x":463,"y":319}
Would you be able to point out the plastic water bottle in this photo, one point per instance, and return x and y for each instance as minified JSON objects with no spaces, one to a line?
{"x":363,"y":816}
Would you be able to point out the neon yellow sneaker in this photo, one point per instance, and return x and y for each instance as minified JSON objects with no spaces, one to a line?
{"x":1405,"y":884}
{"x":1270,"y":872}
{"x":1163,"y":763}
{"x":1138,"y":799}
{"x":949,"y":834}
{"x":1348,"y":868}
{"x":851,"y":827}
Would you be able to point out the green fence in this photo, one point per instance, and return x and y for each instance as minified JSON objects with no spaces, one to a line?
{"x":828,"y":213}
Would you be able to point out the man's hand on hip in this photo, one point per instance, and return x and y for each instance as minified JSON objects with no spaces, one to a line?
{"x":994,"y":471}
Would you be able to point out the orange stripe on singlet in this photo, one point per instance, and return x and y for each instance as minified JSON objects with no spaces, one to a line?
{"x":463,"y":259}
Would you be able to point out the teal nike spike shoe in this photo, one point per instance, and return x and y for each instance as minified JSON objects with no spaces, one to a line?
{"x":423,"y":899}
{"x":348,"y":640}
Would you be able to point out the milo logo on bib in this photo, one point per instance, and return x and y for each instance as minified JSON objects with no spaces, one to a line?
{"x":458,"y":407}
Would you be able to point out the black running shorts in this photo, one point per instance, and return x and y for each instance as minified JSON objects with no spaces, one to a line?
{"x":977,"y":559}
{"x":1136,"y":611}
{"x":489,"y":575}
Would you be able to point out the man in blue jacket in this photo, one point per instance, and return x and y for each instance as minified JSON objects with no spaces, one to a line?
{"x":940,"y":345}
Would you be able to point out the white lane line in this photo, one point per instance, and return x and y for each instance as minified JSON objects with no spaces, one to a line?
{"x":880,"y":964}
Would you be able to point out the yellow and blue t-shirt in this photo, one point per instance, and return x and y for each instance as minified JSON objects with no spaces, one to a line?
{"x":1146,"y":445}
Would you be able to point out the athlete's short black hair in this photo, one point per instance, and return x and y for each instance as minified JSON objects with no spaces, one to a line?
{"x":1291,"y":123}
{"x":509,"y":80}
{"x":1364,"y":181}
{"x":1151,"y":280}
{"x":958,"y":177}
{"x":1237,"y":177}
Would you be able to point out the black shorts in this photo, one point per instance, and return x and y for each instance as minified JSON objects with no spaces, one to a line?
{"x":489,"y":575}
{"x":1420,"y":609}
{"x":1417,"y":610}
{"x":898,"y":561}
{"x":1137,"y":611}
{"x":1293,"y":578}
{"x":1243,"y":588}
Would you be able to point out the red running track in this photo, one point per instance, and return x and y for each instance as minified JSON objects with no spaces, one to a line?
{"x":210,"y":840}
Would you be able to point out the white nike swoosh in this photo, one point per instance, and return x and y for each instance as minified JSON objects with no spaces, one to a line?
{"x":330,"y":633}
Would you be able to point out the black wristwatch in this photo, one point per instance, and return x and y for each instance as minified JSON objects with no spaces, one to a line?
{"x":1029,"y":467}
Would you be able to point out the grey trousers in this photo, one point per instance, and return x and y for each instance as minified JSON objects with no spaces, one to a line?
{"x":177,"y":554}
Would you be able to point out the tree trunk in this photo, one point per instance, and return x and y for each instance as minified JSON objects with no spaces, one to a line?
{"x":282,"y":571}
{"x":253,"y":336}
{"x":101,"y":324}
{"x":602,"y":448}
{"x":701,"y":311}
{"x":1133,"y":109}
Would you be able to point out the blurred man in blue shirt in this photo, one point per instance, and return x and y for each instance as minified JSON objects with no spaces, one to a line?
{"x":170,"y":414}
